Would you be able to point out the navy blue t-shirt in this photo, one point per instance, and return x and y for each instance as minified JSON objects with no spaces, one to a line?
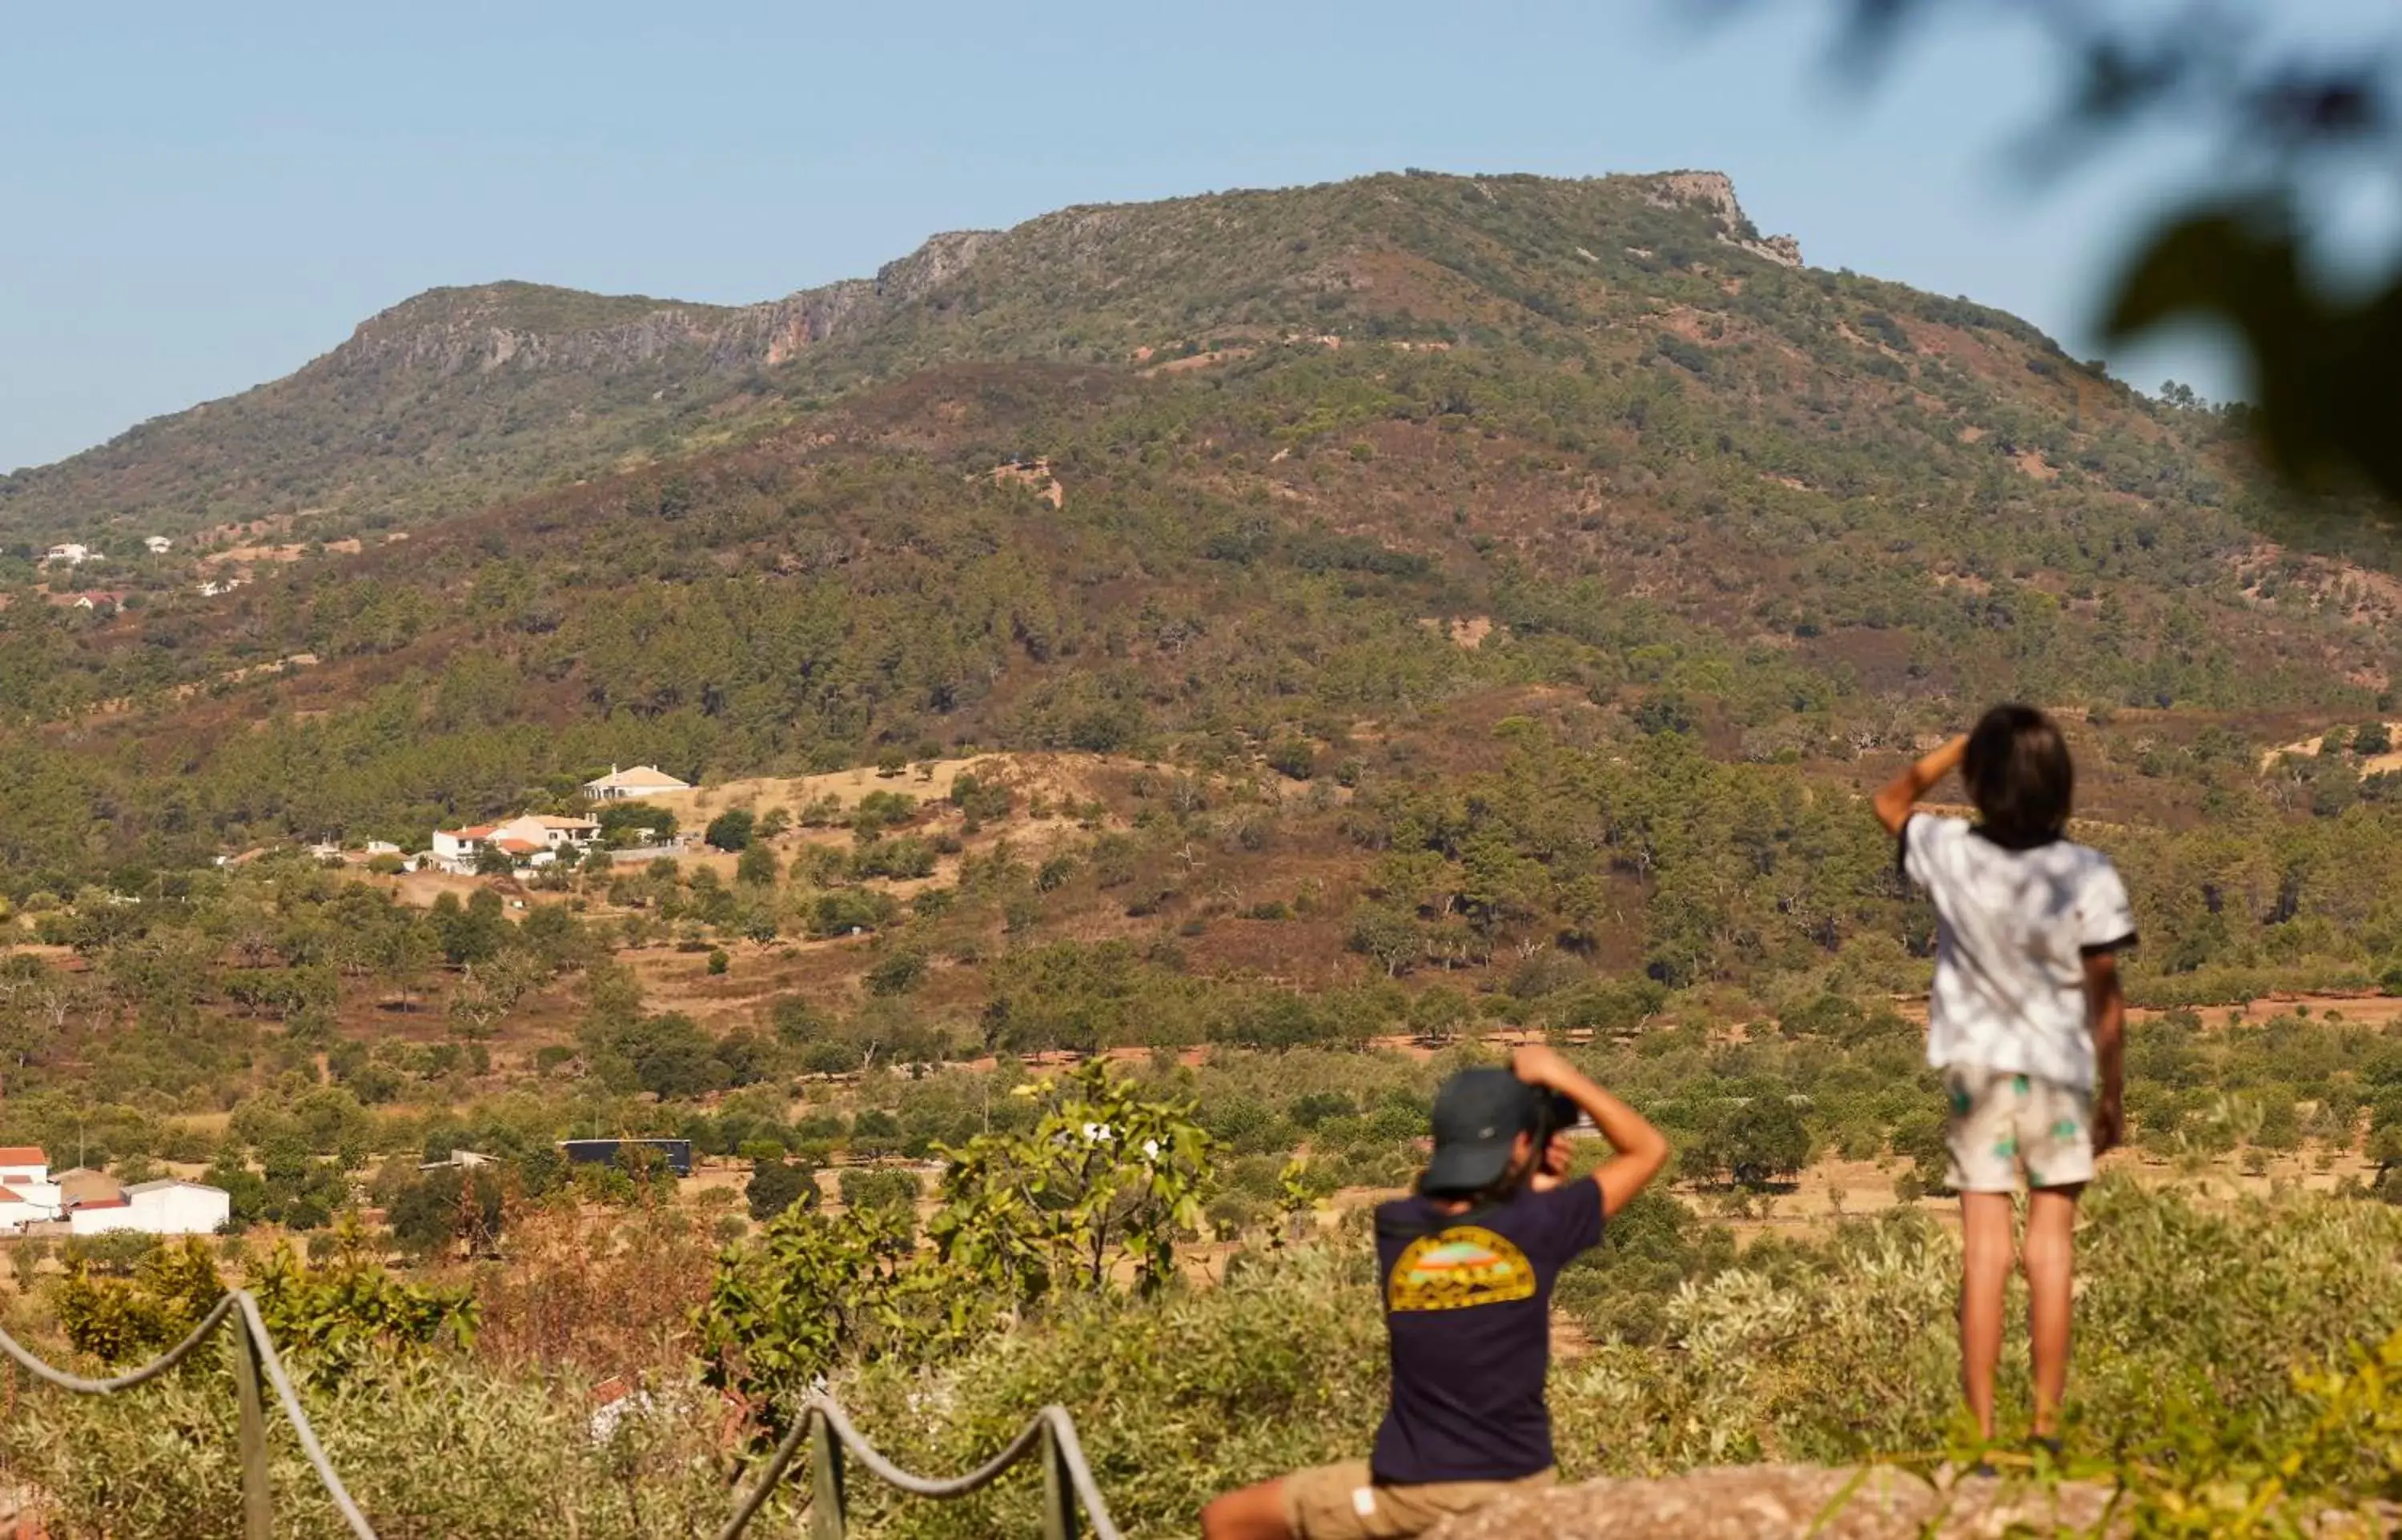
{"x":1468,"y":1305}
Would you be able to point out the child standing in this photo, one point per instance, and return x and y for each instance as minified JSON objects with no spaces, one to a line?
{"x":2027,"y":1021}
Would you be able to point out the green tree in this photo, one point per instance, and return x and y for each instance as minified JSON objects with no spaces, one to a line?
{"x":776,"y":1185}
{"x":730,"y":830}
{"x":452,"y":1210}
{"x":1111,"y":1170}
{"x":757,"y":866}
{"x":471,"y":932}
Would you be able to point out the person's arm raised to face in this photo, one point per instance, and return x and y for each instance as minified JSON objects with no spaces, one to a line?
{"x":1902,"y":793}
{"x":1552,"y":1167}
{"x":2106,"y":1008}
{"x":1639,"y":1149}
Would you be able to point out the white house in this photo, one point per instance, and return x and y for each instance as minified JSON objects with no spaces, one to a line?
{"x":642,"y":781}
{"x":169,"y":1206}
{"x":521,"y":839}
{"x":157,"y":545}
{"x":27,"y":1194}
{"x":70,"y":555}
{"x":23,"y":1163}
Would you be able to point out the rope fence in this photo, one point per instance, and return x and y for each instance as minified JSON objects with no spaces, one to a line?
{"x":1068,"y":1484}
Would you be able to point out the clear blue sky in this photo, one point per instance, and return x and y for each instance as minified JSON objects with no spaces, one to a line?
{"x":195,"y":198}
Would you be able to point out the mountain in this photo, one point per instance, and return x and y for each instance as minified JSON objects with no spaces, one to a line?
{"x":1493,"y":579}
{"x":446,"y":401}
{"x":458,"y":396}
{"x":1333,"y":467}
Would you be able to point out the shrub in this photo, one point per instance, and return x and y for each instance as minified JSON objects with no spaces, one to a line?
{"x":867,"y":1187}
{"x":848,"y":909}
{"x":510,"y":1448}
{"x":730,"y":830}
{"x":776,"y":1185}
{"x":897,"y":972}
{"x":1292,"y":758}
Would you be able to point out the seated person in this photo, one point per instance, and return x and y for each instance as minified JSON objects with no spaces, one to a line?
{"x":1468,"y":1261}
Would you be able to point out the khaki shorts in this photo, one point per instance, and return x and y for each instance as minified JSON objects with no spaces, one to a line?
{"x":1344,"y":1503}
{"x":2002,"y":1122}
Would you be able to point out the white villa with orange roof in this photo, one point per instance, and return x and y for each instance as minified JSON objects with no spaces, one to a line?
{"x":530,"y":839}
{"x":27,"y":1194}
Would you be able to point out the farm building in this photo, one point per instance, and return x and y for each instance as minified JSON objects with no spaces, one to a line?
{"x":169,"y":1207}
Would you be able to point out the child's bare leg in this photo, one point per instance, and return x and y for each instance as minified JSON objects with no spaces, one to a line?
{"x":2051,"y":1248}
{"x":1253,"y":1513}
{"x":1985,"y":1238}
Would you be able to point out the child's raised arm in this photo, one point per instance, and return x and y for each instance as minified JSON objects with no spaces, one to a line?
{"x":1893,"y":803}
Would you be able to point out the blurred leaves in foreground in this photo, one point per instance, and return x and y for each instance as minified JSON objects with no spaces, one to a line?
{"x":2298,"y":123}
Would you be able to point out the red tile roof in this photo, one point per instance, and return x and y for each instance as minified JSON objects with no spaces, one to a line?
{"x":23,"y":1155}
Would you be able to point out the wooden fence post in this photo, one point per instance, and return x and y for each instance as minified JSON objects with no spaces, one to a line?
{"x":1058,"y":1489}
{"x":826,"y":1500}
{"x":257,"y":1496}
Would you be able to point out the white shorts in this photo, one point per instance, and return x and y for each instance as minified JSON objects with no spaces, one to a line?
{"x":2002,"y":1122}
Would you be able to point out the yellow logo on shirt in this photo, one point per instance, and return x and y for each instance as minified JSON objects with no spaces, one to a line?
{"x":1458,"y":1267}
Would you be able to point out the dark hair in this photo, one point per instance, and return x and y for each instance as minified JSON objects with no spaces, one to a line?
{"x":1501,"y":1188}
{"x":2020,"y":776}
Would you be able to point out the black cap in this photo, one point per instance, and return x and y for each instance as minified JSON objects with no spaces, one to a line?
{"x":1478,"y":1116}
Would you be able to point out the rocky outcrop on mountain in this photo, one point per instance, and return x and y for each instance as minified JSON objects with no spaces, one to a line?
{"x":781,"y":329}
{"x":497,"y":326}
{"x":941,"y":258}
{"x":526,"y":326}
{"x":500,"y":326}
{"x":1715,"y":192}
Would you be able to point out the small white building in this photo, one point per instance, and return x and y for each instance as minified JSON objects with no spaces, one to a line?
{"x":642,"y":781}
{"x":23,"y":1163}
{"x":169,"y":1206}
{"x":70,"y":555}
{"x":521,"y":839}
{"x":157,"y":545}
{"x":27,"y":1194}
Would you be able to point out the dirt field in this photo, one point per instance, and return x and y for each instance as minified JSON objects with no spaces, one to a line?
{"x":2308,"y":748}
{"x":1051,"y":778}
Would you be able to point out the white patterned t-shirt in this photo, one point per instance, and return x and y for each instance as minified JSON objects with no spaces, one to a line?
{"x":2015,"y":929}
